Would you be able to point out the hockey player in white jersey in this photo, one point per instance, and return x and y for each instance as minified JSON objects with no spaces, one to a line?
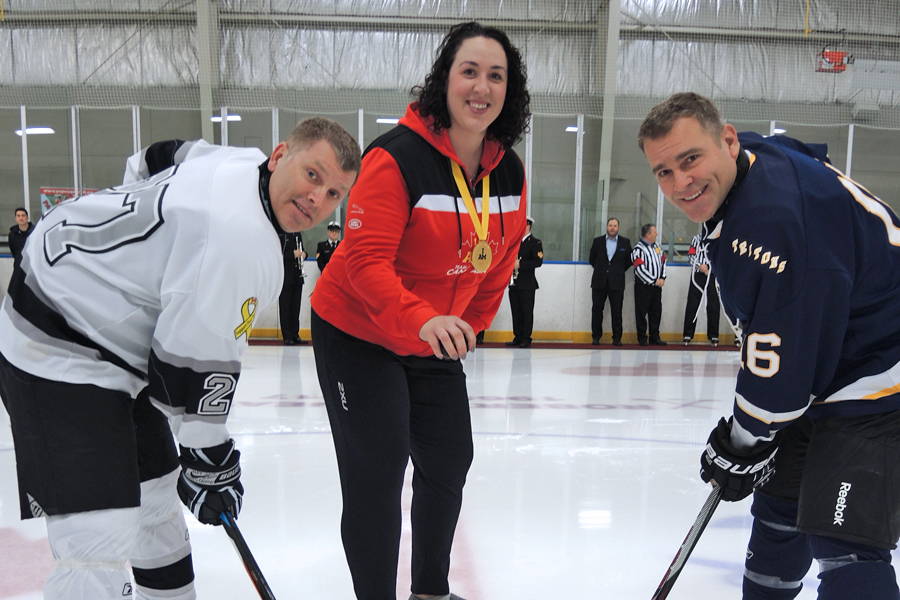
{"x":125,"y":324}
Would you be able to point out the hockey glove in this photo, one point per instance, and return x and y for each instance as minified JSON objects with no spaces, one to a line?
{"x":210,"y":481}
{"x":737,"y":473}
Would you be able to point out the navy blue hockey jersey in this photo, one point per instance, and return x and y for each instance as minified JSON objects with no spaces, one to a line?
{"x":808,"y":264}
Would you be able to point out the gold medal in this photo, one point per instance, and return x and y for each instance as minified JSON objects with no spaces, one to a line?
{"x":481,"y":257}
{"x":481,"y":253}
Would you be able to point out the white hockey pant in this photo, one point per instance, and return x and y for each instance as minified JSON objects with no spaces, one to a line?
{"x":91,"y":548}
{"x":162,"y":540}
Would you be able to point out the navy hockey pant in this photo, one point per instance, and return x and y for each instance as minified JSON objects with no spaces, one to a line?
{"x":779,"y":556}
{"x":813,"y":459}
{"x":385,"y":409}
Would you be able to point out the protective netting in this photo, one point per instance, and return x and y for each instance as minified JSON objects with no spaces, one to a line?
{"x":811,"y":62}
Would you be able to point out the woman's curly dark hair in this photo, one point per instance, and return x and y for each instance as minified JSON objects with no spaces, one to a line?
{"x":512,"y":121}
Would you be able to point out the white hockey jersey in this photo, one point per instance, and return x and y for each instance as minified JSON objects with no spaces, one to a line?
{"x":155,"y":282}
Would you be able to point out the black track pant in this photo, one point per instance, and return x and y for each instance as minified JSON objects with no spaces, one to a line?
{"x":616,"y":299}
{"x":289,"y":303}
{"x":647,"y":303}
{"x":693,"y":303}
{"x":385,"y":409}
{"x":521,"y":304}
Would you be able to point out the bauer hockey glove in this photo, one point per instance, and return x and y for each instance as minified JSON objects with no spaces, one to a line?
{"x":210,"y":481}
{"x":737,"y":473}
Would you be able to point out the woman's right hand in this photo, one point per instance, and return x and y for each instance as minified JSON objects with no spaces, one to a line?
{"x":450,"y":333}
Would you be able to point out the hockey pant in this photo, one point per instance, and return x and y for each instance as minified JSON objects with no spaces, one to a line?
{"x":793,"y":514}
{"x":119,"y":503}
{"x":779,"y":556}
{"x":91,"y":548}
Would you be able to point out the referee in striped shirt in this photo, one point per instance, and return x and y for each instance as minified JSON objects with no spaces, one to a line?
{"x":649,"y":277}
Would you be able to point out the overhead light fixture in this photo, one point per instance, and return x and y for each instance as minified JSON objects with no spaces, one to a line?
{"x":572,"y":128}
{"x":387,"y":121}
{"x":36,"y":131}
{"x":218,"y":118}
{"x":779,"y":130}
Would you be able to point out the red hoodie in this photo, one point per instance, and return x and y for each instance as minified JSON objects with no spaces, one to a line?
{"x":406,"y":255}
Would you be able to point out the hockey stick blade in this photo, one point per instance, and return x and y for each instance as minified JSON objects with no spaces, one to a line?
{"x":256,"y":576}
{"x":687,"y":546}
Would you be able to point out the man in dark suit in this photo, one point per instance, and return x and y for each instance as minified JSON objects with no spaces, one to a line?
{"x":611,"y":257}
{"x":325,"y":249}
{"x":524,"y":284}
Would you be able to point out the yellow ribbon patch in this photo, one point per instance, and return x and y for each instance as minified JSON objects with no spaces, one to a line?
{"x":248,"y":313}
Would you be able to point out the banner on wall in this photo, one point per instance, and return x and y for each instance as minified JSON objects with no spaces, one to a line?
{"x":51,"y":196}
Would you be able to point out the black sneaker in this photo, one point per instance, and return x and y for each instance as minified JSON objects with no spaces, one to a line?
{"x":617,"y":342}
{"x":595,"y":342}
{"x":658,"y":342}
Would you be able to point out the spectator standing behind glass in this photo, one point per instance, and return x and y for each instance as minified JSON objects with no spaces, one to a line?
{"x":649,"y":277}
{"x":702,"y":285}
{"x":124,"y":324}
{"x":523,"y":287}
{"x":292,"y":289}
{"x":610,"y":257}
{"x":325,"y":249}
{"x":424,"y":264}
{"x":18,"y":233}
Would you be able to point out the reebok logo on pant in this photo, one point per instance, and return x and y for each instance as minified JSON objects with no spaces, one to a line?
{"x":841,"y":504}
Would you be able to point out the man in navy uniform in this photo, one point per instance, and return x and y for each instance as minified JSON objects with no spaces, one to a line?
{"x":610,"y":257}
{"x":291,"y":295}
{"x":325,"y":249}
{"x":523,"y":287}
{"x":808,"y":263}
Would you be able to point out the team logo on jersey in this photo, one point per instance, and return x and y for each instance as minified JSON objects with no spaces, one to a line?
{"x":248,"y":313}
{"x":354,"y":224}
{"x":759,"y":254}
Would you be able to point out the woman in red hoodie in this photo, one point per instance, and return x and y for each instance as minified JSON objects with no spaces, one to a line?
{"x":433,"y":227}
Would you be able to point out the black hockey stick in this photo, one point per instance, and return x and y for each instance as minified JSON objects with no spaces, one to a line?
{"x":256,"y":576}
{"x":665,"y":586}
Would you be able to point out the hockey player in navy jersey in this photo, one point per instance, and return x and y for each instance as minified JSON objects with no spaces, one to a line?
{"x":808,"y":264}
{"x":124,"y":324}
